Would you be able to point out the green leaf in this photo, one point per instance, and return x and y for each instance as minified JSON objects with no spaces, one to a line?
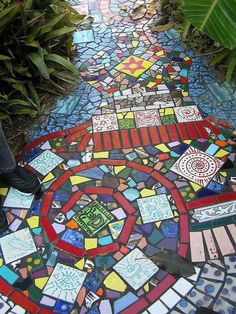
{"x":3,"y":58}
{"x":38,"y":61}
{"x":216,"y":18}
{"x":230,"y":69}
{"x":64,"y":76}
{"x":26,"y":111}
{"x":34,"y":95}
{"x":8,"y":14}
{"x":59,"y":32}
{"x":20,"y":102}
{"x":52,"y":57}
{"x":219,"y":57}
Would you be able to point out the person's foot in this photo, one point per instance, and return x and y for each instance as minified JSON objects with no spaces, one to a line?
{"x":3,"y":221}
{"x":22,"y":180}
{"x":204,"y":310}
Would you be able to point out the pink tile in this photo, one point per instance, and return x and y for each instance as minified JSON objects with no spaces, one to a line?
{"x":223,"y":241}
{"x":212,"y":250}
{"x":197,"y":247}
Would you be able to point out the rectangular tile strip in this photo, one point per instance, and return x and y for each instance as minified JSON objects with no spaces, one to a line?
{"x":223,"y":241}
{"x":197,"y":247}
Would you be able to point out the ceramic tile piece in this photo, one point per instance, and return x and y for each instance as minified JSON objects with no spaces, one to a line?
{"x":158,"y":307}
{"x":223,"y":241}
{"x":170,"y":298}
{"x":105,"y":123}
{"x":45,"y":162}
{"x":182,"y":286}
{"x":197,"y":166}
{"x":93,"y":217}
{"x":16,"y":199}
{"x":147,"y":118}
{"x":136,"y":269}
{"x":230,"y":262}
{"x":83,"y":36}
{"x":134,"y":66}
{"x":64,"y":283}
{"x":155,"y":208}
{"x":187,"y":113}
{"x":197,"y":247}
{"x":210,"y":243}
{"x":17,"y":245}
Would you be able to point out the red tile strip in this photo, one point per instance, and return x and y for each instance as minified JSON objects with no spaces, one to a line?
{"x":97,"y":140}
{"x":75,"y":136}
{"x":104,"y":250}
{"x":191,"y":130}
{"x":200,"y":129}
{"x":178,"y":201}
{"x":84,"y":142}
{"x":144,"y":136}
{"x":183,"y":249}
{"x":70,"y":248}
{"x":212,"y":127}
{"x":24,"y":302}
{"x":115,"y":140}
{"x":162,"y":287}
{"x":182,"y":131}
{"x":124,"y":203}
{"x":127,"y":229}
{"x":226,"y":197}
{"x":126,"y":143}
{"x":139,"y":167}
{"x":160,"y":178}
{"x":135,"y":138}
{"x":5,"y":288}
{"x":163,"y":133}
{"x":49,"y":229}
{"x":46,"y":203}
{"x":136,"y":307}
{"x":98,"y":190}
{"x":108,"y":162}
{"x":155,"y":138}
{"x":173,"y":133}
{"x":85,"y":166}
{"x":184,"y":228}
{"x":107,"y":140}
{"x":75,"y":197}
{"x":202,"y":202}
{"x":60,"y":181}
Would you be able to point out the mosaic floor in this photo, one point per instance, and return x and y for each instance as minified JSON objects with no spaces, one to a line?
{"x":142,"y":172}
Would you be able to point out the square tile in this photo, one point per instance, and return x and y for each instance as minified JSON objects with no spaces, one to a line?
{"x":16,"y":199}
{"x":93,"y":218}
{"x":65,"y":283}
{"x":133,"y":66}
{"x":155,"y":208}
{"x":147,"y":118}
{"x":46,"y":162}
{"x":126,"y":120}
{"x":187,"y":113}
{"x":17,"y":245}
{"x":105,"y":123}
{"x":136,"y":269}
{"x":85,"y":36}
{"x":197,"y":166}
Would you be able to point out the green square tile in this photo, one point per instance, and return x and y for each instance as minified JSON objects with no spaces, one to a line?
{"x":126,"y":123}
{"x":93,"y":218}
{"x":168,"y":119}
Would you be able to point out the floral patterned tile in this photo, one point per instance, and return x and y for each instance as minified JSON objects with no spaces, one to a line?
{"x":45,"y":162}
{"x":147,"y":118}
{"x":197,"y":166}
{"x":64,"y":283}
{"x":17,"y":245}
{"x":187,"y":113}
{"x":105,"y":123}
{"x":136,"y":269}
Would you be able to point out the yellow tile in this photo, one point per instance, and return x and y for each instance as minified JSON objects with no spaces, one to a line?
{"x":129,"y":115}
{"x":160,"y":53}
{"x":92,"y":82}
{"x":78,"y":179}
{"x":159,"y":77}
{"x":146,"y":287}
{"x":120,"y":116}
{"x":176,"y":214}
{"x":135,"y":35}
{"x":41,"y":282}
{"x":135,"y":43}
{"x":80,"y":264}
{"x":223,"y":173}
{"x":145,"y":161}
{"x":188,"y":142}
{"x":169,"y":111}
{"x":103,"y":104}
{"x":147,"y":192}
{"x":186,"y":58}
{"x":114,"y":282}
{"x":173,"y":76}
{"x":134,"y":66}
{"x":221,"y":153}
{"x":151,"y":84}
{"x":163,"y":148}
{"x":33,"y":221}
{"x":90,"y":243}
{"x":158,"y":223}
{"x":195,"y":186}
{"x":48,"y":177}
{"x":185,"y":94}
{"x":118,"y":169}
{"x":101,"y":155}
{"x":1,"y":262}
{"x":3,"y":191}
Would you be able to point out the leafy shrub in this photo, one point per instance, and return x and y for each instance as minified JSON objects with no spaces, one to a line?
{"x":36,"y":43}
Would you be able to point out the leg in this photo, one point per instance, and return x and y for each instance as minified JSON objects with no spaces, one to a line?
{"x":7,"y":160}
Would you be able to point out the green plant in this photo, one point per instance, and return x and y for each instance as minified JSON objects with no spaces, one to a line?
{"x":36,"y":43}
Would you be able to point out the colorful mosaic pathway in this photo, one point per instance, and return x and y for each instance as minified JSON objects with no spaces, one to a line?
{"x":146,"y":173}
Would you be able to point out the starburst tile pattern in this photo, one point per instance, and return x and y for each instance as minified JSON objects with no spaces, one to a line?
{"x":197,"y":166}
{"x":134,"y":66}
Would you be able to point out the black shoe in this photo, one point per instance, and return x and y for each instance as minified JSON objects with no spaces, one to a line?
{"x":22,"y":180}
{"x":204,"y":310}
{"x":3,"y":221}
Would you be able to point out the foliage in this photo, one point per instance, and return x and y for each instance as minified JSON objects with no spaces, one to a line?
{"x":36,"y":41}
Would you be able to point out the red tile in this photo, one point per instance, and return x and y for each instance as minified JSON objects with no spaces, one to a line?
{"x":61,"y":180}
{"x":144,"y":136}
{"x":5,"y":288}
{"x":162,"y":287}
{"x":68,"y":206}
{"x":84,"y":142}
{"x":106,"y":141}
{"x":183,"y":249}
{"x":172,"y":132}
{"x":73,"y":137}
{"x":139,"y":167}
{"x":70,"y":248}
{"x":45,"y":311}
{"x":108,"y":162}
{"x":126,"y":143}
{"x":226,"y":197}
{"x":98,"y":190}
{"x":116,"y":142}
{"x":182,"y":131}
{"x":49,"y":229}
{"x":135,"y":138}
{"x":200,"y":129}
{"x":46,"y":203}
{"x":184,"y":228}
{"x":163,"y":133}
{"x":97,"y":140}
{"x":80,"y":127}
{"x":211,"y":200}
{"x":103,"y":250}
{"x":178,"y":201}
{"x":127,"y":229}
{"x":160,"y":178}
{"x":155,"y":138}
{"x":128,"y":208}
{"x":136,"y":307}
{"x":212,"y":127}
{"x":85,"y":166}
{"x":24,"y":302}
{"x":191,"y":130}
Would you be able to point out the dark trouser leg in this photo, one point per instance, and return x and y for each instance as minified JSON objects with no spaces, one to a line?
{"x":7,"y":160}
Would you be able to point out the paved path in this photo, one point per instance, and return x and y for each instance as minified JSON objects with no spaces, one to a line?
{"x":146,"y":173}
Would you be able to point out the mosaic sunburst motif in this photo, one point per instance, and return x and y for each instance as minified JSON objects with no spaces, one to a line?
{"x":134,"y":66}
